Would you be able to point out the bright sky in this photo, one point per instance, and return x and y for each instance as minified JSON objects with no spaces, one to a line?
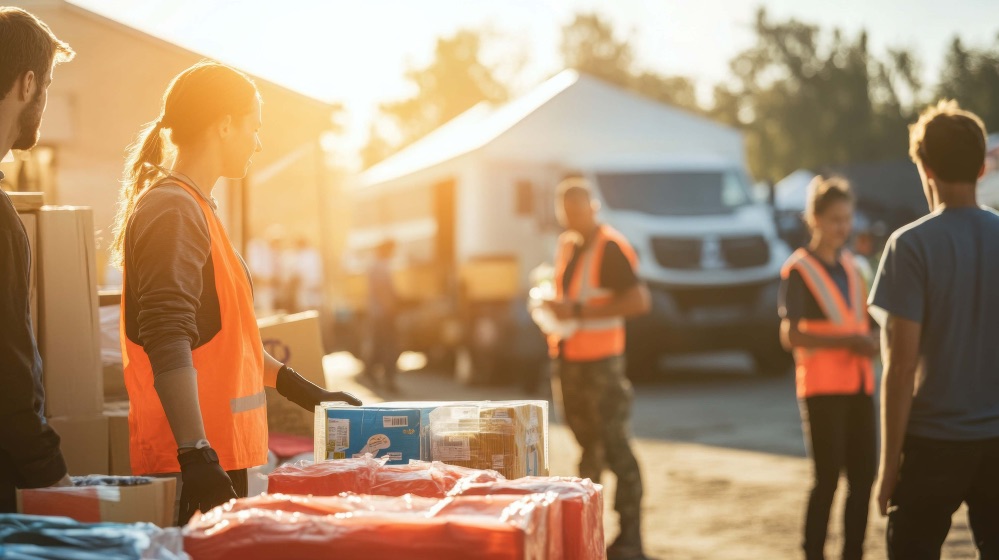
{"x":355,"y":52}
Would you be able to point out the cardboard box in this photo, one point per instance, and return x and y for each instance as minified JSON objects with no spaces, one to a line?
{"x":69,"y":331}
{"x":151,"y":502}
{"x":119,"y":462}
{"x":508,"y":437}
{"x":345,"y":432}
{"x":30,"y":221}
{"x":84,"y":443}
{"x":294,"y":340}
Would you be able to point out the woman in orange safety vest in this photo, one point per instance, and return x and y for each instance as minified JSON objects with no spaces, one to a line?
{"x":823,"y":306}
{"x":195,"y":368}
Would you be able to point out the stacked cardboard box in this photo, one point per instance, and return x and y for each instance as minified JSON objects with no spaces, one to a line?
{"x":69,"y":335}
{"x":343,"y":432}
{"x":119,"y":462}
{"x":508,"y":437}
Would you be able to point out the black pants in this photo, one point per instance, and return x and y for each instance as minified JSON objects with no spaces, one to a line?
{"x":840,"y":432}
{"x":935,"y":477}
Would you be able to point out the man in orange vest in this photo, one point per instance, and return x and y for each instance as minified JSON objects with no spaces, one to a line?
{"x":597,"y":288}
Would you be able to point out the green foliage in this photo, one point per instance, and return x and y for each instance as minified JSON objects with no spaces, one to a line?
{"x":971,"y":76}
{"x":454,"y":81}
{"x":590,"y":45}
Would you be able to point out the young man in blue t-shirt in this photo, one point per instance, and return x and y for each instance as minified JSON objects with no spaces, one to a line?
{"x":937,"y":297}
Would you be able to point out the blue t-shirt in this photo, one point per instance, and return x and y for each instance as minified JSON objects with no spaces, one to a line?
{"x":943,"y":271}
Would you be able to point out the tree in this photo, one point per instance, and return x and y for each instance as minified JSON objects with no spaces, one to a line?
{"x":454,"y":81}
{"x":807,"y":105}
{"x":971,"y":76}
{"x":590,"y":45}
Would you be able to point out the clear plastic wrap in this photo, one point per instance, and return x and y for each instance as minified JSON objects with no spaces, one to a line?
{"x":510,"y":437}
{"x":503,"y":527}
{"x":582,"y":527}
{"x":372,"y":476}
{"x":328,"y":478}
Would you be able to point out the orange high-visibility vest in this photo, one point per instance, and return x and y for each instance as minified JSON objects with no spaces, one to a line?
{"x":594,"y":339}
{"x":831,"y":371}
{"x":230,"y":375}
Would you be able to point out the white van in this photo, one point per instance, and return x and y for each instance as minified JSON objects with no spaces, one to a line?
{"x":709,"y":252}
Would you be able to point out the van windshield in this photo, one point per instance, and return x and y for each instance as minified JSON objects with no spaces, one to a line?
{"x":681,"y":193}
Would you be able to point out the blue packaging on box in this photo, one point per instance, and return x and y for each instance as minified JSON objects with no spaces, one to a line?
{"x":344,"y":432}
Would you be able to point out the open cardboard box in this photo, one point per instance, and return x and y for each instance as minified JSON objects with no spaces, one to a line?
{"x":152,"y":502}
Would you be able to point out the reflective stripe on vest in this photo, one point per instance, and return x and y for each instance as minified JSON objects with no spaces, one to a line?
{"x":836,"y":370}
{"x":594,"y":339}
{"x":230,"y":370}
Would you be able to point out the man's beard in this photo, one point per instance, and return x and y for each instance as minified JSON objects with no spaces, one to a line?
{"x":28,"y":123}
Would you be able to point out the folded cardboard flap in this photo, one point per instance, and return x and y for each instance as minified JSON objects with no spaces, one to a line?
{"x":294,"y":340}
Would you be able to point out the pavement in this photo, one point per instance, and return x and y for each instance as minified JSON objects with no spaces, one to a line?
{"x":722,"y":455}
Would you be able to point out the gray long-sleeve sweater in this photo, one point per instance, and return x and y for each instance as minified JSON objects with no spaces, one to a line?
{"x":171,"y":302}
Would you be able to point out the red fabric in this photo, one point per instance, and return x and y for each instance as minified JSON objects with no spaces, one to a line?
{"x":371,"y":476}
{"x":81,"y":504}
{"x":376,"y":528}
{"x":582,"y":526}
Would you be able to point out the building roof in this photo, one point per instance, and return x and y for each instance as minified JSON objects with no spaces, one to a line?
{"x":146,"y":36}
{"x":571,"y":119}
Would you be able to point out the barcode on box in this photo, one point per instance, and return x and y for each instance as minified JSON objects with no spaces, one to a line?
{"x":395,"y":421}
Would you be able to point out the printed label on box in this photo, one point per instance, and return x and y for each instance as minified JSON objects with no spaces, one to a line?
{"x":339,"y":433}
{"x":453,"y":448}
{"x":498,"y":462}
{"x":395,"y":421}
{"x":394,"y":456}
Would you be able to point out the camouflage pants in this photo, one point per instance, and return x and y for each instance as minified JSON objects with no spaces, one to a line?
{"x":595,"y":400}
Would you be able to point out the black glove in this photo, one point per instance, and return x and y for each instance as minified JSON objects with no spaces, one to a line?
{"x":307,"y":394}
{"x":205,"y":484}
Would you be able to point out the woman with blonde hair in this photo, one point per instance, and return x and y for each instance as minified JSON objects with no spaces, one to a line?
{"x":195,"y":367}
{"x":823,"y":307}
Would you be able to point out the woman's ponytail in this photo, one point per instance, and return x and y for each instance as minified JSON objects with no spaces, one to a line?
{"x":145,"y":156}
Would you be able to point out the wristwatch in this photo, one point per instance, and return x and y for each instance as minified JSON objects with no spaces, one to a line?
{"x":202,"y":453}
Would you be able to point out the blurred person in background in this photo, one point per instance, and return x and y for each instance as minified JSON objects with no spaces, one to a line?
{"x":936,"y":298}
{"x":29,"y":447}
{"x":383,"y":310}
{"x":597,"y":286}
{"x":823,"y":307}
{"x":195,"y":367}
{"x":308,"y":265}
{"x":262,"y":256}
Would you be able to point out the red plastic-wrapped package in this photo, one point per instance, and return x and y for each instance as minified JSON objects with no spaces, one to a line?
{"x":503,"y":527}
{"x":374,"y":477}
{"x":582,"y":509}
{"x":328,"y":478}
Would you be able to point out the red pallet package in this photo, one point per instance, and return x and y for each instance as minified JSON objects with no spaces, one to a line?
{"x":328,"y":478}
{"x":582,"y":509}
{"x":505,"y":527}
{"x":372,"y":476}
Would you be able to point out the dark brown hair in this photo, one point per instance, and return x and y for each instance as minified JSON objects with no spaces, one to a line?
{"x":823,"y":192}
{"x":196,"y":98}
{"x":27,"y":44}
{"x":949,"y":141}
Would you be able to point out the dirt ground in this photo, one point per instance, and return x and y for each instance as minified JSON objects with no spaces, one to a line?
{"x":722,"y":457}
